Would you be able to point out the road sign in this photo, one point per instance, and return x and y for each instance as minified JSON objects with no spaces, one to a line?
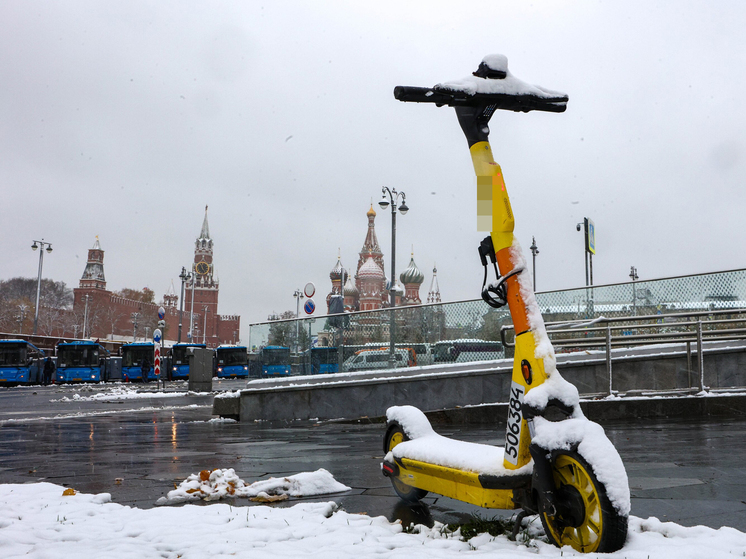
{"x":161,"y":324}
{"x":309,"y":290}
{"x":590,"y":240}
{"x":157,"y":360}
{"x":157,"y":335}
{"x":161,"y":313}
{"x":309,"y":306}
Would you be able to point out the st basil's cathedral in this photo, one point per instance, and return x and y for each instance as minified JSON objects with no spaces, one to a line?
{"x":366,"y":290}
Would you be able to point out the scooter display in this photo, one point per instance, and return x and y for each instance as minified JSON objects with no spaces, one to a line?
{"x":555,"y":463}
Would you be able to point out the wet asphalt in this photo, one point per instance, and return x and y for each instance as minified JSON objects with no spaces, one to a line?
{"x":691,"y":472}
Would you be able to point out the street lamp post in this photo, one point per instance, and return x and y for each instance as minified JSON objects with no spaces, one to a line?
{"x":191,"y":311}
{"x":85,"y":316}
{"x":634,"y":277}
{"x":39,"y":244}
{"x":298,"y":294}
{"x":534,"y":252}
{"x":585,"y":250}
{"x":135,"y":316}
{"x":204,"y":327}
{"x":184,"y":276}
{"x":393,"y":197}
{"x":21,"y":315}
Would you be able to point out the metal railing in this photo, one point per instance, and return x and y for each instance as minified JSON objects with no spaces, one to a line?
{"x":634,"y":331}
{"x":438,"y":324}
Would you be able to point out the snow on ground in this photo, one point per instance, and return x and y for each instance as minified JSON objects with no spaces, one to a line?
{"x":37,"y":521}
{"x":211,"y":486}
{"x":122,"y":393}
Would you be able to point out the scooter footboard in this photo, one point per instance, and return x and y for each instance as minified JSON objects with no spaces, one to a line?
{"x":483,"y":490}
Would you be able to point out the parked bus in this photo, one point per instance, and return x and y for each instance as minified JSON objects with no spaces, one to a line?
{"x":324,"y":360}
{"x":21,"y":362}
{"x":81,"y":361}
{"x":132,"y":359}
{"x":275,"y":361}
{"x":463,"y":351}
{"x":232,"y":361}
{"x":180,"y":360}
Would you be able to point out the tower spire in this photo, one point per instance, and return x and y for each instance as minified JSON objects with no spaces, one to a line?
{"x":205,"y":232}
{"x":433,"y":295}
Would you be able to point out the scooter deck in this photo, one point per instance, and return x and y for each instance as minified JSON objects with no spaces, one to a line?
{"x":486,"y":484}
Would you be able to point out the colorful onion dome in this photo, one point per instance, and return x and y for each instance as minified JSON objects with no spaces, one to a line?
{"x":412,"y":274}
{"x":371,"y":211}
{"x":350,"y":289}
{"x":370,"y":270}
{"x":338,"y":270}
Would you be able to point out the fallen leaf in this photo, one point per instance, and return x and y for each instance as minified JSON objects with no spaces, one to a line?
{"x":69,"y":491}
{"x":204,"y":475}
{"x":269,"y":498}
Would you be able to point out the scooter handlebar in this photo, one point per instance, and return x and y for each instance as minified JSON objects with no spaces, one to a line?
{"x":509,"y":102}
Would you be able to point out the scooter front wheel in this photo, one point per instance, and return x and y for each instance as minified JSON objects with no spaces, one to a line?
{"x":585,"y":519}
{"x":395,"y":435}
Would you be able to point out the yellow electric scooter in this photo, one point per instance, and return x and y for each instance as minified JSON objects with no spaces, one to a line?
{"x":565,"y":469}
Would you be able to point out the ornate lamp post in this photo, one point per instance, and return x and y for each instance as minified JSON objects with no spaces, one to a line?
{"x":634,"y":277}
{"x":135,"y":317}
{"x":85,"y":315}
{"x":534,"y":252}
{"x":39,"y":244}
{"x":185,"y":277}
{"x":393,"y":198}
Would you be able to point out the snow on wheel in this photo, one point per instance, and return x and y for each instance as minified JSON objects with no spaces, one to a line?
{"x":395,"y":435}
{"x":585,"y":520}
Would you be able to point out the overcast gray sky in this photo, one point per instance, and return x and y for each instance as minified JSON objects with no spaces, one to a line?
{"x":124,"y":119}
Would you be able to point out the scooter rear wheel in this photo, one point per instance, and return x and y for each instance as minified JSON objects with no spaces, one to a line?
{"x":586,"y":519}
{"x":395,"y":435}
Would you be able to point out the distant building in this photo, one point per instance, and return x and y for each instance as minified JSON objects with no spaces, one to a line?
{"x":106,"y":315}
{"x":366,"y":290}
{"x":208,"y":326}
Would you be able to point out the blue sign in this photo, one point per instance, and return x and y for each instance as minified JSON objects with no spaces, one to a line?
{"x":161,"y":313}
{"x":591,"y":240}
{"x":157,"y":336}
{"x":309,"y":306}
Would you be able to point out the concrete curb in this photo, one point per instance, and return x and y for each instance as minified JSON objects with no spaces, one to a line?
{"x":601,"y":411}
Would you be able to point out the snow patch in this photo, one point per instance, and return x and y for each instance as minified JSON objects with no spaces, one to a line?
{"x":37,"y":522}
{"x":215,"y":485}
{"x":413,"y":421}
{"x":509,"y":85}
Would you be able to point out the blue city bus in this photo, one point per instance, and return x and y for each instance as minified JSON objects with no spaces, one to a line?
{"x":180,"y":360}
{"x":275,"y":361}
{"x":81,"y":361}
{"x":324,"y":360}
{"x":232,"y":361}
{"x":21,"y":362}
{"x":132,"y":358}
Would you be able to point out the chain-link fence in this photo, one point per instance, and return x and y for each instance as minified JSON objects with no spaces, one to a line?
{"x":467,"y":331}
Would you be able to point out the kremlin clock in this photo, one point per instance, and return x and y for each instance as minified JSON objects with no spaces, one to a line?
{"x":202,"y":268}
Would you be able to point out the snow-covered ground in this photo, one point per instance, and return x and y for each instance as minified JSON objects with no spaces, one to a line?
{"x":37,"y":521}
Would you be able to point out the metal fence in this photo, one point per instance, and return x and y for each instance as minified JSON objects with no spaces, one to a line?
{"x":467,"y":331}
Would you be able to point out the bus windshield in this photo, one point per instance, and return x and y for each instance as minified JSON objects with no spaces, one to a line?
{"x":232,"y":356}
{"x":12,"y":355}
{"x":471,"y":350}
{"x":324,"y":355}
{"x":77,"y":356}
{"x":276,"y":355}
{"x":132,"y":356}
{"x":180,"y":355}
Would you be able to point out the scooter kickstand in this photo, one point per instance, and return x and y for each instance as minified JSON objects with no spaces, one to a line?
{"x":517,"y":525}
